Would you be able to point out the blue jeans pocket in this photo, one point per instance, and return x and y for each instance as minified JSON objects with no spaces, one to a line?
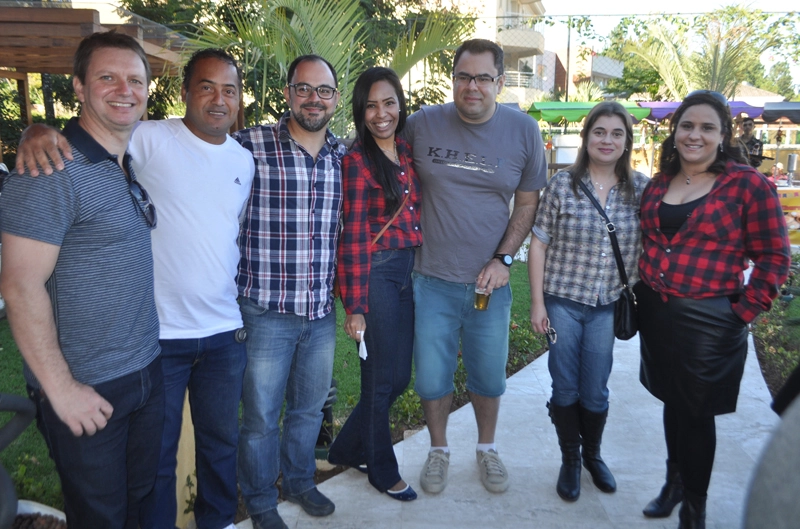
{"x":250,"y":307}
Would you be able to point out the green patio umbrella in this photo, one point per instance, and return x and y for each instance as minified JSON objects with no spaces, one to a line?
{"x":574,"y":111}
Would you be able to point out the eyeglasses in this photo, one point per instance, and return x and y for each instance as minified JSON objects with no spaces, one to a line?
{"x":305,"y":90}
{"x":142,"y":200}
{"x":551,"y":332}
{"x":716,"y":95}
{"x":480,"y":80}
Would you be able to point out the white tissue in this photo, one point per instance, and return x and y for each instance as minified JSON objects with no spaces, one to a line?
{"x":362,"y":347}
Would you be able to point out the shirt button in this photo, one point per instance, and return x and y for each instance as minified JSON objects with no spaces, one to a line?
{"x":668,"y":250}
{"x":661,"y":275}
{"x":416,"y":227}
{"x":603,"y":254}
{"x":410,"y":207}
{"x":406,"y":191}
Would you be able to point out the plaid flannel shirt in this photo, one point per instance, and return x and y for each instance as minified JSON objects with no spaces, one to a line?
{"x":364,"y":217}
{"x":291,"y":228}
{"x":740,"y":218}
{"x":580,"y":264}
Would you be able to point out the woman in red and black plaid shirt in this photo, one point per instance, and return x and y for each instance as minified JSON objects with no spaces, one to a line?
{"x":703,"y":216}
{"x":376,"y":258}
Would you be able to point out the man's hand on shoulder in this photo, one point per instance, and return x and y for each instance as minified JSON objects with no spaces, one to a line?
{"x":80,"y":407}
{"x":42,"y":146}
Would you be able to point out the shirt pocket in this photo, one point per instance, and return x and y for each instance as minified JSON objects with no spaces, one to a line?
{"x":719,"y":221}
{"x":575,"y":216}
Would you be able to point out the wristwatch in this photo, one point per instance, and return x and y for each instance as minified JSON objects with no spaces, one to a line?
{"x":504,"y":258}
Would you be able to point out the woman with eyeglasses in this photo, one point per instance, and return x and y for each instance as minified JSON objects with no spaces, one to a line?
{"x":703,"y":215}
{"x":376,"y":258}
{"x":575,"y":282}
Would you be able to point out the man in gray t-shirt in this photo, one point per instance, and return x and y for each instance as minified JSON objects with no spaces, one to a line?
{"x":472,"y":156}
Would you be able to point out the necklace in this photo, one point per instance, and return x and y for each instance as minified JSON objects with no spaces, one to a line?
{"x":598,"y":185}
{"x":689,"y":177}
{"x":392,"y":153}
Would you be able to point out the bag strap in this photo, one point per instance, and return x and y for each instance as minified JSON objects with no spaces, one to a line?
{"x":396,"y":214}
{"x":610,"y":228}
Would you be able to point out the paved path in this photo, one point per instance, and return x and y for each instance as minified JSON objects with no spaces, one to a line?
{"x":633,"y":447}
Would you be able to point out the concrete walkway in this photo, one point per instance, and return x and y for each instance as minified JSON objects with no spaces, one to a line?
{"x":633,"y":447}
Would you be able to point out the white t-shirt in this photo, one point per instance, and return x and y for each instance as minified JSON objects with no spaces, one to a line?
{"x":200,"y":191}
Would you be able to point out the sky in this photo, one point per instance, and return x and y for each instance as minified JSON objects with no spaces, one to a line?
{"x":603,"y":25}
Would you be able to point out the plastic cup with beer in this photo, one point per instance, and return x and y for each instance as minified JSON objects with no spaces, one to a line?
{"x":481,"y":298}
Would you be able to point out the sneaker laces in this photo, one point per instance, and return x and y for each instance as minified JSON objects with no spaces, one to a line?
{"x":436,"y":464}
{"x":491,"y":462}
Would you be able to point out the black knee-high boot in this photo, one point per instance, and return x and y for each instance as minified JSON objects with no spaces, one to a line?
{"x":671,"y":494}
{"x":693,"y":511}
{"x":566,"y":419}
{"x":592,"y":426}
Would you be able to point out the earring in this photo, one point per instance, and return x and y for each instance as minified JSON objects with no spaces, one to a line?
{"x":720,"y":147}
{"x":626,"y":149}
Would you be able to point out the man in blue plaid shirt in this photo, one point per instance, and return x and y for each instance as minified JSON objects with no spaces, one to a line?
{"x":288,"y":244}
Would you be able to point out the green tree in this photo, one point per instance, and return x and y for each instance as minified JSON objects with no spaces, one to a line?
{"x":779,"y":80}
{"x":267,"y":38}
{"x":714,"y":51}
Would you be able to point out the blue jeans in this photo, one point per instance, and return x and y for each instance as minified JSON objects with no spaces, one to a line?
{"x":580,"y":360}
{"x":105,"y":476}
{"x":447,"y":322}
{"x":385,"y":374}
{"x":212,"y":368}
{"x":289,"y":358}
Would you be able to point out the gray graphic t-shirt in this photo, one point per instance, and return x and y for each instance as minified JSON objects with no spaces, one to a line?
{"x":469,"y":174}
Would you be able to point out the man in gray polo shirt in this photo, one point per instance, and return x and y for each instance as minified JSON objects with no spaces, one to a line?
{"x":78,"y":284}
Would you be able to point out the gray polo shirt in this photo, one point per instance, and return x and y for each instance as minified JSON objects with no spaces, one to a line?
{"x":102,"y":287}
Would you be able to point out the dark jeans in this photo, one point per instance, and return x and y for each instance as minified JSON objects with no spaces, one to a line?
{"x":385,"y":374}
{"x":212,"y":368}
{"x":105,"y":476}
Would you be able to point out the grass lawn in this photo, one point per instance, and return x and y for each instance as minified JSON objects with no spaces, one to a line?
{"x":26,"y":459}
{"x":33,"y":472}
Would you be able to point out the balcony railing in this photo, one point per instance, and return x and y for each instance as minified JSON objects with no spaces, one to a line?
{"x":519,"y":21}
{"x":523,"y":80}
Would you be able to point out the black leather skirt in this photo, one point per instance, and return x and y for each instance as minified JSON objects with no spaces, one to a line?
{"x":693,"y":351}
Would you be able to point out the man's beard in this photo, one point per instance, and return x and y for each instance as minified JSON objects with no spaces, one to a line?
{"x":312,"y":124}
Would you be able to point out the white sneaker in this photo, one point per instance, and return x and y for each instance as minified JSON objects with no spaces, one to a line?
{"x":433,"y":477}
{"x":493,"y":472}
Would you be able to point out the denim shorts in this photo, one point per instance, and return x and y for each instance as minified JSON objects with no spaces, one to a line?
{"x":446,"y":319}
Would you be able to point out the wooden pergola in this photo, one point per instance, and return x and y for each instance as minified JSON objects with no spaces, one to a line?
{"x":44,"y":40}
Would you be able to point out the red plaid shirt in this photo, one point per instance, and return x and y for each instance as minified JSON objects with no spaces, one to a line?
{"x":741,"y":217}
{"x":364,"y":217}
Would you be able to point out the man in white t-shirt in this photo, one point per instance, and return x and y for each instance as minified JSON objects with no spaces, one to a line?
{"x":201,"y":179}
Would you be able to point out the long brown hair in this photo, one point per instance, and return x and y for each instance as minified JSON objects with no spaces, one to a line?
{"x":622,"y":168}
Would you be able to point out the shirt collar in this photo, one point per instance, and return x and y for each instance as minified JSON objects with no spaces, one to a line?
{"x":84,"y":142}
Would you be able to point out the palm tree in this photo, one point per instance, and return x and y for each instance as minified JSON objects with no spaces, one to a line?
{"x":268,"y":38}
{"x":728,"y":41}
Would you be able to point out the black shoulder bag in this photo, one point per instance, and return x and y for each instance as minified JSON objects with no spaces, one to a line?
{"x":626,"y":322}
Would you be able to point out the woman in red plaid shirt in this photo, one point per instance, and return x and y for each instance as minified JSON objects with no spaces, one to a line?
{"x":703,"y":216}
{"x":376,"y":258}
